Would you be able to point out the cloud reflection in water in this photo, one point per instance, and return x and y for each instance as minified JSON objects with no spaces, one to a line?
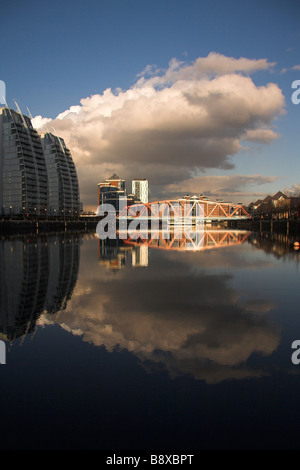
{"x":170,"y":315}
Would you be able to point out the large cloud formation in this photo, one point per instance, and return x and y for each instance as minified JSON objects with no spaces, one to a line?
{"x":169,"y":124}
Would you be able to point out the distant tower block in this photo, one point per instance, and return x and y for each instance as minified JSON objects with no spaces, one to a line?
{"x":140,"y":190}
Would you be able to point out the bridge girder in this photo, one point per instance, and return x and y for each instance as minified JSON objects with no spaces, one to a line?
{"x":185,"y":209}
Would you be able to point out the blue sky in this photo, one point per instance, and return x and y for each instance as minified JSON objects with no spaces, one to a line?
{"x":53,"y":54}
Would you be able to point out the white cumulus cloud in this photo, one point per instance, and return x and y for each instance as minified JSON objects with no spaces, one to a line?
{"x":169,"y":123}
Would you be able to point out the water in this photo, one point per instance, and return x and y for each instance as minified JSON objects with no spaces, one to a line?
{"x":167,"y":345}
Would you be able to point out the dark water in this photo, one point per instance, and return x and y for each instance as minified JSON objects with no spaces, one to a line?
{"x":175,"y":345}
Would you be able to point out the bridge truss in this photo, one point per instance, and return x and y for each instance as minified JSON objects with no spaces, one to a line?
{"x":184,"y":210}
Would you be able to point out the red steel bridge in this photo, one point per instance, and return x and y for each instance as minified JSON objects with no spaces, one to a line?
{"x":186,"y":210}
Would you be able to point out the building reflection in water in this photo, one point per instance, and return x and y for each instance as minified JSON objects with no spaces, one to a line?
{"x":140,"y":256}
{"x":113,"y":254}
{"x":278,"y":244}
{"x":37,"y":275}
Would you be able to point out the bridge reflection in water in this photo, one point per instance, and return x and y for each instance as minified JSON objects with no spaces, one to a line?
{"x":183,"y":239}
{"x":112,"y":253}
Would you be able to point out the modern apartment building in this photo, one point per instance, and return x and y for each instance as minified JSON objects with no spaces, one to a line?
{"x":112,"y":191}
{"x":140,"y":190}
{"x":63,"y":188}
{"x":23,"y":173}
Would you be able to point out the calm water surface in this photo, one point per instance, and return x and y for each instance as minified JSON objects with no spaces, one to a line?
{"x":161,"y":345}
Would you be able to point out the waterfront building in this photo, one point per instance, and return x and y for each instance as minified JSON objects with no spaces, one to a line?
{"x":113,"y":192}
{"x":279,"y":206}
{"x":63,"y":187}
{"x":108,"y":194}
{"x":114,"y":180}
{"x":23,"y":173}
{"x":140,"y":190}
{"x":130,"y":199}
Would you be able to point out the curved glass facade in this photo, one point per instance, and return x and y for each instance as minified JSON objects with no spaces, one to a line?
{"x":37,"y":173}
{"x":23,"y":182}
{"x":63,"y":185}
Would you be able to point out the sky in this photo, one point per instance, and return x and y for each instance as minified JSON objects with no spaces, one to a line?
{"x":193,"y":95}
